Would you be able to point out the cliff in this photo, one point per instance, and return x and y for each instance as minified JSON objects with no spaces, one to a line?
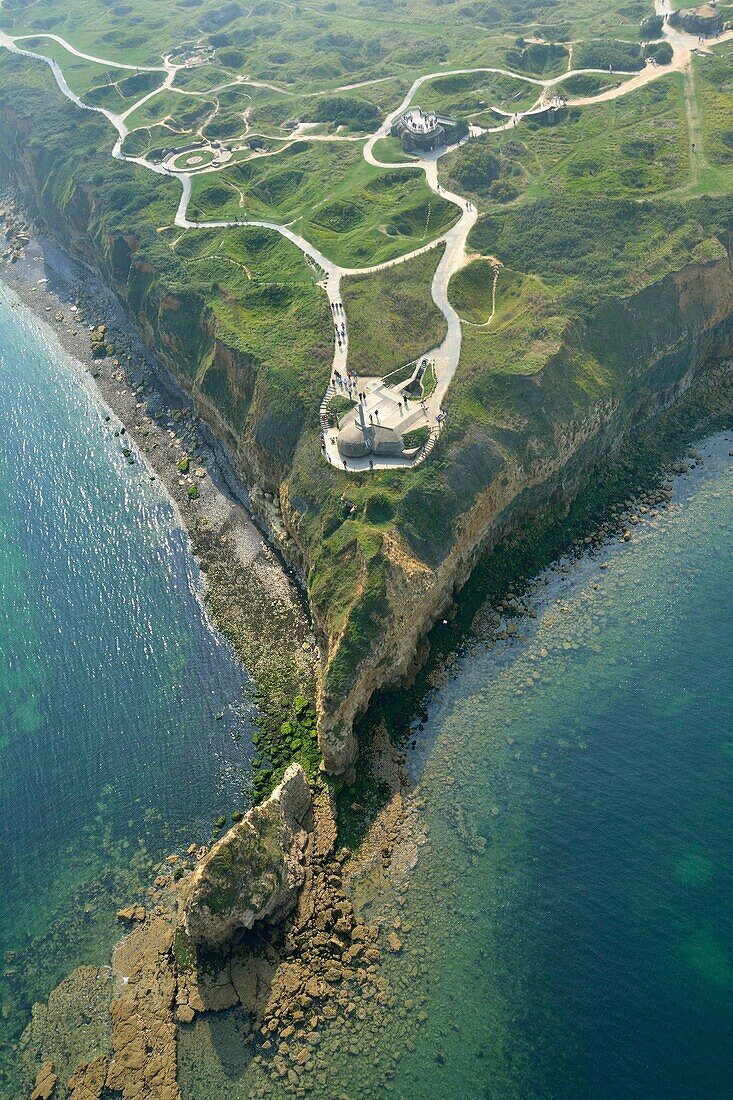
{"x":383,"y":556}
{"x":253,"y":873}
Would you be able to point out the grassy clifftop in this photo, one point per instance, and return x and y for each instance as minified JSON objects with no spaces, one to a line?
{"x":597,"y":325}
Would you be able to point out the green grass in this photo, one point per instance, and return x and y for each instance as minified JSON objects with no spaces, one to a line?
{"x":389,"y":150}
{"x":391,"y":215}
{"x":471,"y":291}
{"x":714,"y":84}
{"x":392,"y":317}
{"x":629,"y":147}
{"x":282,"y":187}
{"x":82,"y":76}
{"x":469,"y":96}
{"x":181,"y":112}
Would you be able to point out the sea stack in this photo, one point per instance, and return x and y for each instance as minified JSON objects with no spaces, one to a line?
{"x":255,"y":871}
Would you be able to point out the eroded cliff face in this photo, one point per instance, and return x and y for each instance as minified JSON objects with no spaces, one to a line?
{"x":646,"y":350}
{"x":663,"y":338}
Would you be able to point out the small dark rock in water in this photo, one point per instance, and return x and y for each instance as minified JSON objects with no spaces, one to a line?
{"x":219,"y":716}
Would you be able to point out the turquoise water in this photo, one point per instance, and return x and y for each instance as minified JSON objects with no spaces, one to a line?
{"x":110,"y":677}
{"x":567,"y":928}
{"x":572,"y":925}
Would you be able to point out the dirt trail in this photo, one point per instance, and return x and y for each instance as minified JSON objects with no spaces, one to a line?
{"x":386,"y":400}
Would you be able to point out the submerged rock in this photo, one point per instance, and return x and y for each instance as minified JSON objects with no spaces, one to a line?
{"x":255,"y":871}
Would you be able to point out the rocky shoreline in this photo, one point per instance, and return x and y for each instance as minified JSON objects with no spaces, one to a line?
{"x":304,"y":980}
{"x":156,"y":428}
{"x":309,"y":970}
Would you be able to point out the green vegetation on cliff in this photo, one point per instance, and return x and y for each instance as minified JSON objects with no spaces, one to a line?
{"x":591,"y":219}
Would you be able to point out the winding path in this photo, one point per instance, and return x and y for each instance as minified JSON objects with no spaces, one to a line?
{"x":383,"y":403}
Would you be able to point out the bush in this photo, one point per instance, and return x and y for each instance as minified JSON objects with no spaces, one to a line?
{"x":357,"y":114}
{"x":662,"y":52}
{"x":379,"y":507}
{"x":623,"y":56}
{"x":504,"y":190}
{"x":418,"y":437}
{"x":651,"y":27}
{"x":475,"y":168}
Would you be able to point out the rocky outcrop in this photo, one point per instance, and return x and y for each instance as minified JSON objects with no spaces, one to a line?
{"x":45,"y":1083}
{"x":143,"y":1062}
{"x":255,"y":871}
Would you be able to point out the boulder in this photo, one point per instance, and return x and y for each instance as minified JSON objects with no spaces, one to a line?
{"x":255,"y":871}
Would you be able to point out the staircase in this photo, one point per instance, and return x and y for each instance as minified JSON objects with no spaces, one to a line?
{"x":323,"y":415}
{"x":432,"y":440}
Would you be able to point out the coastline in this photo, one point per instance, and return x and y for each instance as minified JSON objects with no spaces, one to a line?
{"x":390,"y":838}
{"x":156,"y":427}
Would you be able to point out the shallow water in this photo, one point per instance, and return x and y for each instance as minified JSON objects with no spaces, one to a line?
{"x":567,"y":929}
{"x":111,"y":678}
{"x":572,"y":918}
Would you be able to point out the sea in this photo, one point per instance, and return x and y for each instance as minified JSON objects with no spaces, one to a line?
{"x":567,"y":928}
{"x":125,"y":720}
{"x":571,"y":914}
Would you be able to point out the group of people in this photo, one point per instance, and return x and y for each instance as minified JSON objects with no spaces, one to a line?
{"x":340,"y":329}
{"x":346,"y":382}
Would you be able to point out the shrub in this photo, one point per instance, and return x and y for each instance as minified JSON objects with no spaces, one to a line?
{"x":418,"y":437}
{"x":624,"y":56}
{"x":379,"y":507}
{"x":662,"y":52}
{"x":651,"y":27}
{"x":475,"y":168}
{"x":357,"y":114}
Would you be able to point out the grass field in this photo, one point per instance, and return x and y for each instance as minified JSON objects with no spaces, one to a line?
{"x":342,"y":42}
{"x":470,"y":95}
{"x":392,"y":317}
{"x":632,"y":146}
{"x":471,"y":291}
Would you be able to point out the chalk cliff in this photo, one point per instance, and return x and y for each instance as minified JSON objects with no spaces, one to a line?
{"x":381,"y":561}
